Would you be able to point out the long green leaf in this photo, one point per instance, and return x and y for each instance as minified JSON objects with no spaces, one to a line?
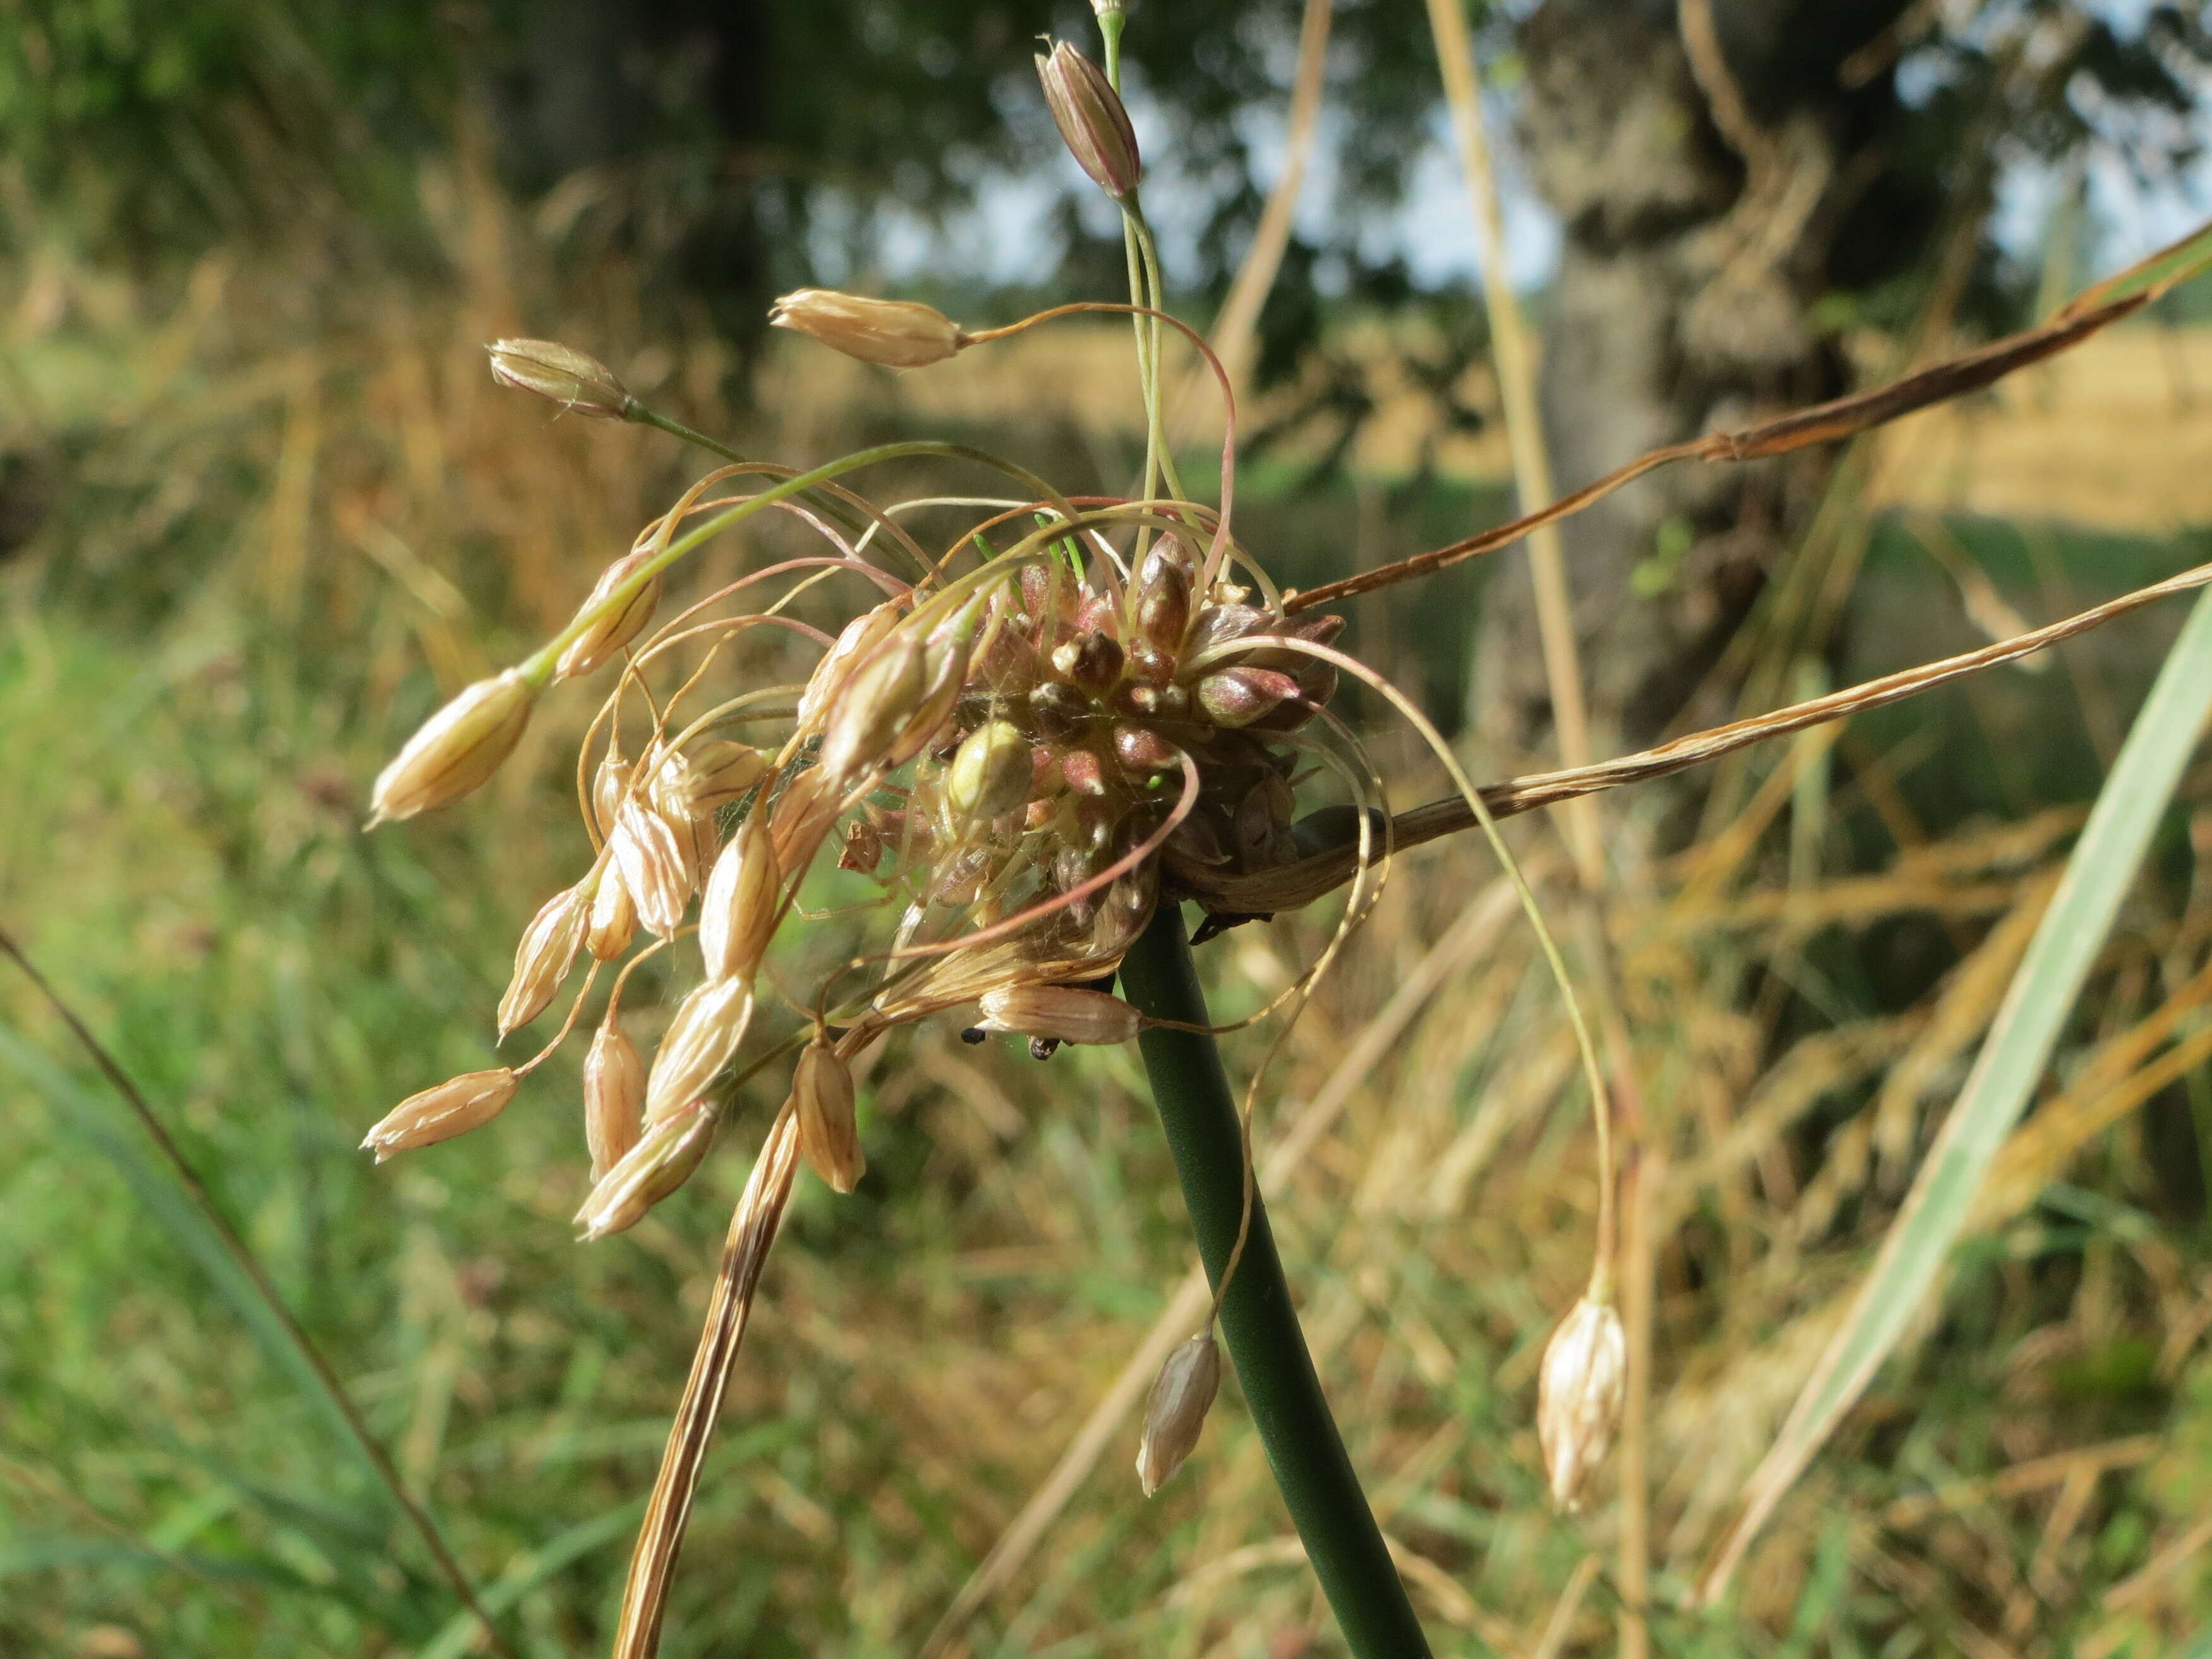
{"x":2011,"y":1062}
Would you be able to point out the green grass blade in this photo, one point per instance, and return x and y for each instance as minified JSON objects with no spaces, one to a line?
{"x":2011,"y":1062}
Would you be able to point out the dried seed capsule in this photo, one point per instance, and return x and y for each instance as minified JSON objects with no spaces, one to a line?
{"x":660,"y":1163}
{"x":1578,"y":1393}
{"x":895,"y":333}
{"x":1176,"y":1409}
{"x":991,"y":773}
{"x":452,"y":1108}
{"x":1059,"y":1011}
{"x":724,"y":773}
{"x":700,"y":1039}
{"x":822,"y":1088}
{"x":1237,"y":697}
{"x":858,"y":637}
{"x":652,"y":867}
{"x":1163,"y":599}
{"x":863,"y":848}
{"x":456,"y":749}
{"x":803,"y":815}
{"x":610,"y":633}
{"x":874,"y":706}
{"x":542,"y":960}
{"x":614,"y":917}
{"x":1089,"y":114}
{"x":614,"y":1095}
{"x":610,"y":785}
{"x":738,"y":913}
{"x":567,"y":376}
{"x":1091,"y":661}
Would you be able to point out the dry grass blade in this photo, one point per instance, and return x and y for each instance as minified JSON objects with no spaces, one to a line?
{"x":2011,"y":1062}
{"x":1290,"y":886}
{"x":753,"y":1231}
{"x":1842,"y":418}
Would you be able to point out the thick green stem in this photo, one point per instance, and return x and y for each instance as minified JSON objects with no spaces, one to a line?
{"x":1258,"y":1321}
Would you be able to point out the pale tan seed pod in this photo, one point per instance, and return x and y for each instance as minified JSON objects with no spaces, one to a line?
{"x":1091,"y":120}
{"x":572,"y":380}
{"x":542,"y":960}
{"x":700,"y":1039}
{"x":670,"y":794}
{"x":614,"y":1096}
{"x":944,"y":675}
{"x":855,"y":640}
{"x":1578,"y":1394}
{"x":1176,"y":1409}
{"x":1058,"y":1010}
{"x":652,"y":866}
{"x":452,"y":1108}
{"x":803,"y":815}
{"x":992,"y":772}
{"x":609,"y":788}
{"x":738,"y":913}
{"x":895,"y":333}
{"x":456,"y":749}
{"x":829,"y":1133}
{"x":614,"y":917}
{"x":663,"y":1160}
{"x":872,"y":709}
{"x":724,"y":773}
{"x":609,"y":634}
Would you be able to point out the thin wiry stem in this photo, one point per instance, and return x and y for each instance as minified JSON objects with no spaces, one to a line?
{"x":265,"y":1289}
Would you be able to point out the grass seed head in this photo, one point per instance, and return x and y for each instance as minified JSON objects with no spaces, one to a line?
{"x":894,"y":333}
{"x":1578,"y":1394}
{"x":1175,"y":1410}
{"x":456,"y":749}
{"x":452,"y":1108}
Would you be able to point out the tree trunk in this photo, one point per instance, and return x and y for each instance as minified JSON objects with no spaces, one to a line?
{"x":1701,"y":201}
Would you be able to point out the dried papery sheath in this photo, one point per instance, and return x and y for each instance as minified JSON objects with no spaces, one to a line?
{"x":610,"y":784}
{"x":1176,"y":1409}
{"x":1089,"y":114}
{"x":1059,"y":1011}
{"x":894,"y":333}
{"x":828,"y":1134}
{"x":614,"y":1096}
{"x":990,"y":773}
{"x":738,"y":912}
{"x":660,"y":1163}
{"x":1578,"y":1393}
{"x":671,"y":796}
{"x":614,"y":917}
{"x":872,"y":709}
{"x":609,"y":634}
{"x":452,"y":1108}
{"x":723,"y":773}
{"x":456,"y":749}
{"x":700,"y":1039}
{"x":577,"y":382}
{"x":542,"y":960}
{"x":652,"y":867}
